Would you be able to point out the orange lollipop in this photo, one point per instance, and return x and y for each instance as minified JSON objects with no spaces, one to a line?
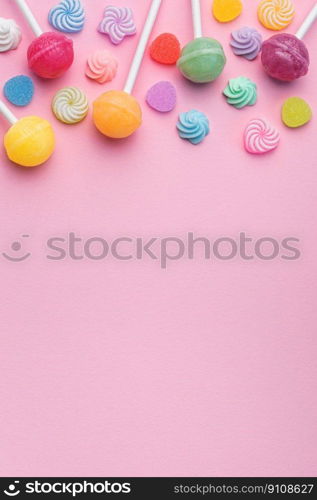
{"x":117,"y":114}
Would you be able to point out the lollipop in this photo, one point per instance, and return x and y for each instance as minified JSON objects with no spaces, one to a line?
{"x":50,"y":54}
{"x":284,"y":56}
{"x":117,"y":114}
{"x":203,"y":59}
{"x":30,"y":141}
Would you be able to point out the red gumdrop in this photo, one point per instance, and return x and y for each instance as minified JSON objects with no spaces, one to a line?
{"x":50,"y":55}
{"x":285,"y":57}
{"x":165,"y":49}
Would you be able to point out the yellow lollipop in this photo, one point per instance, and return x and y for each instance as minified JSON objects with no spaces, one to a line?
{"x":117,"y":114}
{"x":30,"y":141}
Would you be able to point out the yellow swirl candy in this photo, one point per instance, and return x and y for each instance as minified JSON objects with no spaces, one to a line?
{"x":276,"y":14}
{"x":70,"y":105}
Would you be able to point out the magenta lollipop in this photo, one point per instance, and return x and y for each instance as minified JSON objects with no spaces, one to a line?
{"x":50,"y":54}
{"x":285,"y":56}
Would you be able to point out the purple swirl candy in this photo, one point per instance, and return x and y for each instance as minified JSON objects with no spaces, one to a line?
{"x":246,"y":42}
{"x":118,"y":22}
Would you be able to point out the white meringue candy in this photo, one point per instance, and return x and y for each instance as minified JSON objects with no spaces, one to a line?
{"x":10,"y":34}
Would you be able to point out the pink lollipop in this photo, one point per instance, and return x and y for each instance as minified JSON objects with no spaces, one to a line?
{"x":284,"y":56}
{"x":50,"y":54}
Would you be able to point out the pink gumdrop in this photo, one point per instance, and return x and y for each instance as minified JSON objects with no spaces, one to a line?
{"x":50,"y":55}
{"x":285,"y":57}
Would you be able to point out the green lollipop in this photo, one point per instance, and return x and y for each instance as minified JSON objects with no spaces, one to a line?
{"x":203,"y":59}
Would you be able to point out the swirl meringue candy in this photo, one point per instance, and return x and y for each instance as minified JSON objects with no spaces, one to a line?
{"x":276,"y":14}
{"x":10,"y":34}
{"x":101,"y":66}
{"x":241,"y":92}
{"x":193,"y":126}
{"x":70,"y":105}
{"x":260,"y":137}
{"x":246,"y":42}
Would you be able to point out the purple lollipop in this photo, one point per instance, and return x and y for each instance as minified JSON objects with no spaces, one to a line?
{"x":284,"y":56}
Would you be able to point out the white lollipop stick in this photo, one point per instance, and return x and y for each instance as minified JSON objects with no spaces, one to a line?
{"x":138,"y":57}
{"x":4,"y":110}
{"x":307,"y":24}
{"x":198,"y":30}
{"x":28,"y":14}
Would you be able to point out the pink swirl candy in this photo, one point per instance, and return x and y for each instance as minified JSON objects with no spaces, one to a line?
{"x":260,"y":137}
{"x":118,"y":22}
{"x":101,"y":66}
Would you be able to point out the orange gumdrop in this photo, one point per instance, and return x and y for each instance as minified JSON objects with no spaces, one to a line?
{"x":226,"y":10}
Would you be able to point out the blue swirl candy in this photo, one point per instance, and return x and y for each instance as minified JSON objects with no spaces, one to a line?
{"x":193,"y":126}
{"x":68,"y":16}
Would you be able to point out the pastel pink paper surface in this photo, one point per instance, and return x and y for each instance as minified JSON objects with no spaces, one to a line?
{"x":119,"y":368}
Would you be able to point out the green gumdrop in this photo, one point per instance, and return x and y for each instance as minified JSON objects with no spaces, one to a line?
{"x":202,"y":60}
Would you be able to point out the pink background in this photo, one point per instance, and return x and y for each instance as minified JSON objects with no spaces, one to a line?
{"x":113,"y":368}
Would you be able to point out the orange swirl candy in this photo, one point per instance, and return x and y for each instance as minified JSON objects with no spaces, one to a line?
{"x":276,"y":14}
